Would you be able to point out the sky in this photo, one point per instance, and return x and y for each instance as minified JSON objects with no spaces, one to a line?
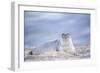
{"x":41,"y":27}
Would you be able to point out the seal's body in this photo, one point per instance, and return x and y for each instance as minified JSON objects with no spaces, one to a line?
{"x":66,"y":43}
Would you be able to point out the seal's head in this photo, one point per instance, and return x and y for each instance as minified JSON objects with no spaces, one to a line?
{"x":65,"y":35}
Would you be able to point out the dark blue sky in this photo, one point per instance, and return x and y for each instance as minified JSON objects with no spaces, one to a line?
{"x":41,"y":27}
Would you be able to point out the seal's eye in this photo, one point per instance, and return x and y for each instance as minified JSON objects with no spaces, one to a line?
{"x":67,"y":35}
{"x":63,"y":35}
